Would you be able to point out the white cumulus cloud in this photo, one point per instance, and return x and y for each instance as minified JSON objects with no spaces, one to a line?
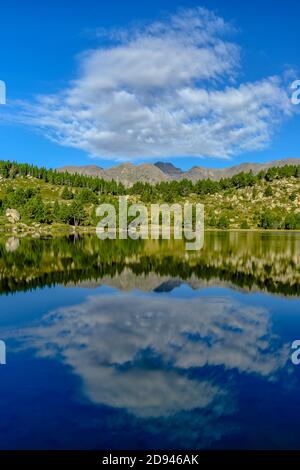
{"x":168,"y":89}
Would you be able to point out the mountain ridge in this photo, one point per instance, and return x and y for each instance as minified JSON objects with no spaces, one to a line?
{"x":128,"y":173}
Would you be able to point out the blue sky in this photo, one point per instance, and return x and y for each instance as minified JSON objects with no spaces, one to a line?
{"x":45,"y":46}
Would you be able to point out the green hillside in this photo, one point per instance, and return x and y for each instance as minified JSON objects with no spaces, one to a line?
{"x":46,"y":200}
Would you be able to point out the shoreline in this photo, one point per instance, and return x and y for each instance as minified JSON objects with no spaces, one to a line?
{"x":64,"y":231}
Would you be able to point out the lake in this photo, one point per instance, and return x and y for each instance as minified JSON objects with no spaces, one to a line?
{"x":143,"y":345}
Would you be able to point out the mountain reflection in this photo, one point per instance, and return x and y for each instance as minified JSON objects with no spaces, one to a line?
{"x":155,"y":355}
{"x":250,"y":261}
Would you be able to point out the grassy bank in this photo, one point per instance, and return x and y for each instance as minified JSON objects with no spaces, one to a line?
{"x":270,"y":200}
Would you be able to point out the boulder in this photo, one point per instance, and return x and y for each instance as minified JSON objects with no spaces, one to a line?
{"x":12,"y":244}
{"x":12,"y":215}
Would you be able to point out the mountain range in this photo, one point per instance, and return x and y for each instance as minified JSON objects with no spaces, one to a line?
{"x":128,"y":173}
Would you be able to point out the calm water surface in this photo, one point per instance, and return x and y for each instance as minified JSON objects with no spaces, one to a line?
{"x":139,"y":345}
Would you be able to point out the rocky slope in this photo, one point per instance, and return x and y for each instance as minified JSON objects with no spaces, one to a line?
{"x":128,"y":173}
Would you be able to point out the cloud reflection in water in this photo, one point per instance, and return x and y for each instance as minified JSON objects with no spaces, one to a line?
{"x":140,"y":352}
